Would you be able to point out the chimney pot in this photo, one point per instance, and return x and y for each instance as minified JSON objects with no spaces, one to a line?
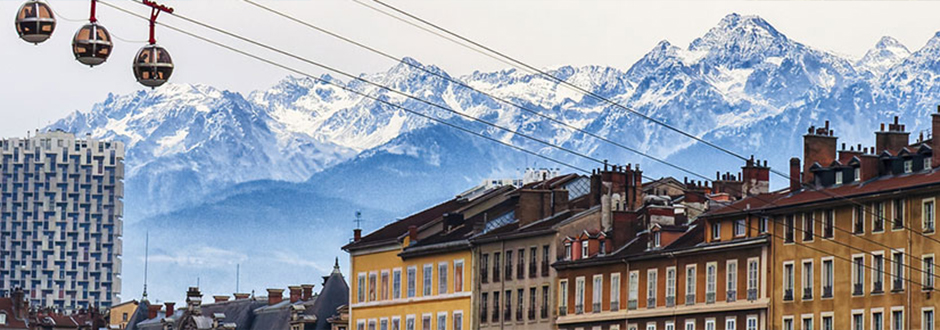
{"x":895,"y":120}
{"x":307,"y":293}
{"x":295,"y":294}
{"x":275,"y":296}
{"x":169,"y":308}
{"x":795,"y":174}
{"x":219,"y":299}
{"x":152,"y":311}
{"x":240,"y":296}
{"x":412,"y":234}
{"x":357,"y":234}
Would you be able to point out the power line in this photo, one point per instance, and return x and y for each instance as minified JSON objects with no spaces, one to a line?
{"x":521,"y":65}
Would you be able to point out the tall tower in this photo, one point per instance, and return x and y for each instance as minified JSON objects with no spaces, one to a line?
{"x":61,"y":219}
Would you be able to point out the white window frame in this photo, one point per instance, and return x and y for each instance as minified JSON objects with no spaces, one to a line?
{"x":667,"y":325}
{"x":838,"y":177}
{"x":427,"y":280}
{"x":360,"y":324}
{"x":923,"y":319}
{"x":874,"y":271}
{"x":856,"y":272}
{"x":854,"y":325}
{"x":442,"y":277}
{"x":410,"y":318}
{"x":671,"y":282}
{"x":807,"y":276}
{"x":633,"y":286}
{"x":454,"y":319}
{"x":439,"y":314}
{"x":615,"y":288}
{"x":933,"y":216}
{"x":691,"y":284}
{"x":716,"y":230}
{"x":740,"y":224}
{"x":711,"y":278}
{"x":361,"y":287}
{"x":858,"y":211}
{"x":878,"y":207}
{"x":689,"y":324}
{"x":731,"y":322}
{"x":579,"y":287}
{"x":895,"y":214}
{"x":903,"y":321}
{"x":789,"y":281}
{"x":731,"y":276}
{"x":827,"y":315}
{"x":411,"y":289}
{"x":877,"y":311}
{"x":894,"y":265}
{"x":396,"y":322}
{"x":812,"y":321}
{"x":753,"y":275}
{"x":928,"y":273}
{"x":927,"y":164}
{"x":396,"y":288}
{"x":831,"y":278}
{"x":783,"y":325}
{"x":809,"y":225}
{"x":858,"y":173}
{"x":563,"y":293}
{"x":908,"y":166}
{"x":585,"y":248}
{"x":751,"y":320}
{"x":711,"y":324}
{"x":651,"y":325}
{"x":458,"y":287}
{"x":597,"y":290}
{"x":652,"y":282}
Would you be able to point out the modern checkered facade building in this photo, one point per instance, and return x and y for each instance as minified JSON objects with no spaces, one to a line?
{"x":61,"y":219}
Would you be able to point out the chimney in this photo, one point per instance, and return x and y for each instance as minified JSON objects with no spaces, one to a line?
{"x":412,"y":234}
{"x":819,"y":146}
{"x":219,"y":299}
{"x":795,"y":180}
{"x":20,"y":304}
{"x":935,"y":138}
{"x":308,"y":290}
{"x":357,"y":234}
{"x":275,"y":296}
{"x":152,"y":311}
{"x":193,"y":297}
{"x":240,"y":296}
{"x":891,"y":140}
{"x":295,"y":294}
{"x":559,"y":201}
{"x":169,"y":308}
{"x":756,"y":178}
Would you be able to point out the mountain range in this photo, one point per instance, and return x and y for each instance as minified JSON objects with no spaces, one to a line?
{"x":272,"y":179}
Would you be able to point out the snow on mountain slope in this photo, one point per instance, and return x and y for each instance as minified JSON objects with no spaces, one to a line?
{"x":887,"y":53}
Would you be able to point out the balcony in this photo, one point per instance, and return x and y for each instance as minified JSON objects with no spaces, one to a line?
{"x":596,"y":307}
{"x":788,"y":295}
{"x":562,"y":310}
{"x":519,"y":314}
{"x":897,"y":285}
{"x":857,"y":289}
{"x":651,"y":302}
{"x":531,"y":314}
{"x":495,"y":315}
{"x":670,"y":301}
{"x":483,"y":317}
{"x":614,"y":306}
{"x":495,"y":274}
{"x":544,"y":311}
{"x":877,"y":287}
{"x":709,"y":297}
{"x":807,"y":293}
{"x":690,"y":299}
{"x":732,"y":296}
{"x":827,"y":291}
{"x":631,"y":304}
{"x":751,"y":294}
{"x":579,"y":309}
{"x":508,"y":275}
{"x":507,"y":314}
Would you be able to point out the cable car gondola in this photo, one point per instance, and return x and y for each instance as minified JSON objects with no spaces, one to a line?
{"x":153,"y":65}
{"x":35,"y":21}
{"x":92,"y":43}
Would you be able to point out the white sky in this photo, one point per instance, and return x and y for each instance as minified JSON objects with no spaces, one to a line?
{"x":43,"y":83}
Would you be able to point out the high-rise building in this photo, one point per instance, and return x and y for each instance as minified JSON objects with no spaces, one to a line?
{"x":61,"y":219}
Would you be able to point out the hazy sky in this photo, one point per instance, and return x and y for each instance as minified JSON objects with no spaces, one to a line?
{"x":43,"y":83}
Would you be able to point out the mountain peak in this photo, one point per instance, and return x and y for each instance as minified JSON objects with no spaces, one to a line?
{"x":887,"y":53}
{"x":742,"y":36}
{"x":889,"y":42}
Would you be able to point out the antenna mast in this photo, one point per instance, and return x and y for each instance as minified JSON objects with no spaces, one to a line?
{"x":146,"y":261}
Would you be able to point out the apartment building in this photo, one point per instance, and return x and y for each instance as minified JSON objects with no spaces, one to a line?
{"x":853,"y":238}
{"x":61,"y":220}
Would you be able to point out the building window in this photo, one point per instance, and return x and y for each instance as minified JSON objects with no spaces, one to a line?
{"x":585,"y":248}
{"x":426,"y":322}
{"x":690,"y":324}
{"x":829,"y":220}
{"x":412,"y":281}
{"x":927,"y":164}
{"x":898,"y":209}
{"x":579,"y":295}
{"x":507,"y":306}
{"x":858,"y":174}
{"x":897,"y":261}
{"x":711,"y":274}
{"x":562,"y":297}
{"x":897,"y":319}
{"x":828,"y":277}
{"x":858,"y":274}
{"x":426,"y":277}
{"x":716,"y":230}
{"x":533,"y":256}
{"x":690,"y":277}
{"x":545,"y":302}
{"x":908,"y":165}
{"x":929,"y":216}
{"x":361,"y":288}
{"x":731,"y":323}
{"x":858,"y":223}
{"x":496,"y":269}
{"x":567,"y":250}
{"x":396,"y":323}
{"x":670,"y":286}
{"x":877,"y":273}
{"x":651,"y":279}
{"x":710,"y":324}
{"x":361,"y":325}
{"x":442,"y":321}
{"x":807,"y":323}
{"x":763,"y":225}
{"x":396,"y":284}
{"x":928,"y":270}
{"x":878,"y":219}
{"x":858,"y":321}
{"x":410,"y":322}
{"x":442,"y":278}
{"x":651,"y":326}
{"x":788,"y":229}
{"x":496,"y":306}
{"x":788,"y":281}
{"x":545,"y":260}
{"x":731,"y":285}
{"x":807,"y":280}
{"x":508,"y":275}
{"x":657,"y":239}
{"x":808,"y":226}
{"x":927,"y":319}
{"x":371,"y":324}
{"x":484,"y":299}
{"x":877,"y":321}
{"x":614,"y":291}
{"x":838,"y":176}
{"x":532,"y":304}
{"x":384,"y":285}
{"x":740,"y":227}
{"x":458,"y":320}
{"x":751,"y":322}
{"x":633,"y":291}
{"x":520,"y":304}
{"x":788,"y":323}
{"x":669,"y":325}
{"x":458,"y":276}
{"x":383,"y":324}
{"x":373,"y":283}
{"x":597,"y":291}
{"x":826,"y":322}
{"x":485,"y":268}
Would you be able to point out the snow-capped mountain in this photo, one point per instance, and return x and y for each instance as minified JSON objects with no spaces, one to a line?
{"x":307,"y":152}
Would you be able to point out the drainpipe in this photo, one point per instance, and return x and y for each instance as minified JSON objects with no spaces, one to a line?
{"x":502,"y":284}
{"x":910,"y":274}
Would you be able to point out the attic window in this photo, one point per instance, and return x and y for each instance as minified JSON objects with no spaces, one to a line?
{"x":858,"y":174}
{"x":838,"y":177}
{"x":927,"y":163}
{"x":656,"y":239}
{"x":603,"y":247}
{"x":567,"y":250}
{"x":3,"y":318}
{"x":716,"y":230}
{"x":585,"y":252}
{"x":908,"y":166}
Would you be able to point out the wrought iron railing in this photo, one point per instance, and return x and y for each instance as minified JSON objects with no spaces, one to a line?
{"x":709,"y":297}
{"x":732,"y":296}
